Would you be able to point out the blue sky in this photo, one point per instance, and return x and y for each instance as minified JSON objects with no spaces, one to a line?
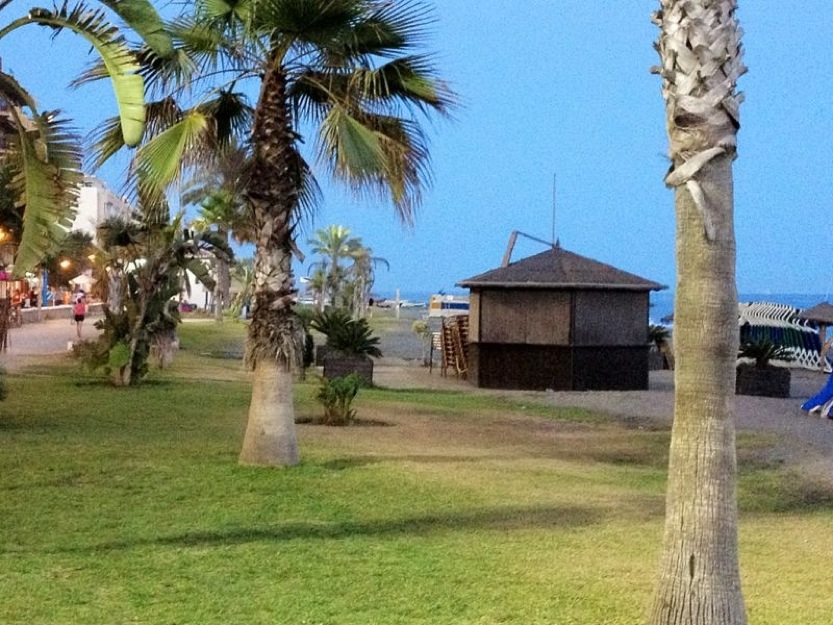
{"x":564,"y":89}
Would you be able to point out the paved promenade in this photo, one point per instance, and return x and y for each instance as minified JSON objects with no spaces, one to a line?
{"x":43,"y":338}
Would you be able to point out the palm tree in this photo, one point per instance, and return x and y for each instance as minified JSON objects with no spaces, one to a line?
{"x":219,"y":191}
{"x":700,"y":53}
{"x":317,"y":285}
{"x":351,"y":67}
{"x":43,"y":152}
{"x":242,"y":272}
{"x":362,"y":277}
{"x":334,"y":244}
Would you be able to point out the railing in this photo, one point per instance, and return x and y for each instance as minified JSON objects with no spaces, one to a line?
{"x":64,"y":311}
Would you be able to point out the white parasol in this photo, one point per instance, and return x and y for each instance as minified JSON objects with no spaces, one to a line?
{"x":83,"y":280}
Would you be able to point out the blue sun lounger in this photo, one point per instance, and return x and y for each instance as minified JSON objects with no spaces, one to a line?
{"x":822,"y":401}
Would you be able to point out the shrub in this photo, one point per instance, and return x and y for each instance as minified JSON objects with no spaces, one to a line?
{"x":337,"y":396}
{"x":764,"y":350}
{"x":423,"y":330}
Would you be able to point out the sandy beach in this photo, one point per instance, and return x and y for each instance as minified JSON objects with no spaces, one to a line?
{"x":803,"y":440}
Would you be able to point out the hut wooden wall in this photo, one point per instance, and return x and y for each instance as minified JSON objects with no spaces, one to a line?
{"x":561,"y":340}
{"x":525,"y":317}
{"x":611,"y":318}
{"x":520,"y":367}
{"x":474,"y":317}
{"x":560,"y":368}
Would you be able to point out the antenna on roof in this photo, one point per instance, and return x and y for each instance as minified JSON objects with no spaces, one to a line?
{"x":513,"y":237}
{"x":554,"y":180}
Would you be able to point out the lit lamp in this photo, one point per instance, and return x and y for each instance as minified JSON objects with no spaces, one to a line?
{"x":65,"y":264}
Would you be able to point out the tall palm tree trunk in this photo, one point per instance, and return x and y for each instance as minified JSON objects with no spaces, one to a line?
{"x":699,"y":576}
{"x":222,"y":286}
{"x":270,"y":438}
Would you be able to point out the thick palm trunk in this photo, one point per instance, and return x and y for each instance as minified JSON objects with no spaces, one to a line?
{"x":270,"y":438}
{"x":699,"y":581}
{"x":270,"y":433}
{"x":699,"y":577}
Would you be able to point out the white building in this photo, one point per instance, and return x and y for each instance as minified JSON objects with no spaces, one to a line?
{"x":96,"y":202}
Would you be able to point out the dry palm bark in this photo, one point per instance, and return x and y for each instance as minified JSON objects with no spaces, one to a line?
{"x":270,"y":437}
{"x":700,"y":52}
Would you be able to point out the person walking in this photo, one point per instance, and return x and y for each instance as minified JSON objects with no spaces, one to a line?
{"x":79,"y":311}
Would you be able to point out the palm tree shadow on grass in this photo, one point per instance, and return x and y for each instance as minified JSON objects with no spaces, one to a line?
{"x":343,"y":464}
{"x":495,"y":519}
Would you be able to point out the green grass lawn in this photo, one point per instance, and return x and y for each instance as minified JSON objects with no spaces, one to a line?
{"x":128,"y":506}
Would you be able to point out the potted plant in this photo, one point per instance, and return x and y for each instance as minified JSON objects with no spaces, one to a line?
{"x":761,"y":378}
{"x":350,"y":345}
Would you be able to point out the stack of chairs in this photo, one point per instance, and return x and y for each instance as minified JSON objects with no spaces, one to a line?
{"x":454,"y":341}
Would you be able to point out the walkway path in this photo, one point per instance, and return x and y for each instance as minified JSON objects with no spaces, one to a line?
{"x":44,"y":338}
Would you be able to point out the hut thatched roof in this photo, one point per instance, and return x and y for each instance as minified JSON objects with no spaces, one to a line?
{"x":558,"y":269}
{"x":820,"y":313}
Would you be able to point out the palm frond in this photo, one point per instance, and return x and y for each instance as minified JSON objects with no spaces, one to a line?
{"x":142,"y":17}
{"x":383,"y":155}
{"x":306,"y":21}
{"x":231,"y":114}
{"x":120,"y":63}
{"x":352,"y":149}
{"x":309,"y":192}
{"x":160,"y":161}
{"x":410,"y":80}
{"x":13,"y":92}
{"x":104,"y":141}
{"x":161,"y":115}
{"x":46,"y":184}
{"x":385,"y":29}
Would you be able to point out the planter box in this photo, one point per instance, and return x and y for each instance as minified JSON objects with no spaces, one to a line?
{"x":656,"y":361}
{"x":762,"y":382}
{"x":337,"y":365}
{"x":321,"y":353}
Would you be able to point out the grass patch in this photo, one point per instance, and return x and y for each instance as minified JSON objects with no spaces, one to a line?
{"x":124,"y":506}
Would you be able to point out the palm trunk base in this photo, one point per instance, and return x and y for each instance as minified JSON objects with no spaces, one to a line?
{"x":270,"y":438}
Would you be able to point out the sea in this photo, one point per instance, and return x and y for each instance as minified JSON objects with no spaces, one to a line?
{"x":662,"y":302}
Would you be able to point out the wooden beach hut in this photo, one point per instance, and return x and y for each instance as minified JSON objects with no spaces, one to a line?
{"x":560,"y":321}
